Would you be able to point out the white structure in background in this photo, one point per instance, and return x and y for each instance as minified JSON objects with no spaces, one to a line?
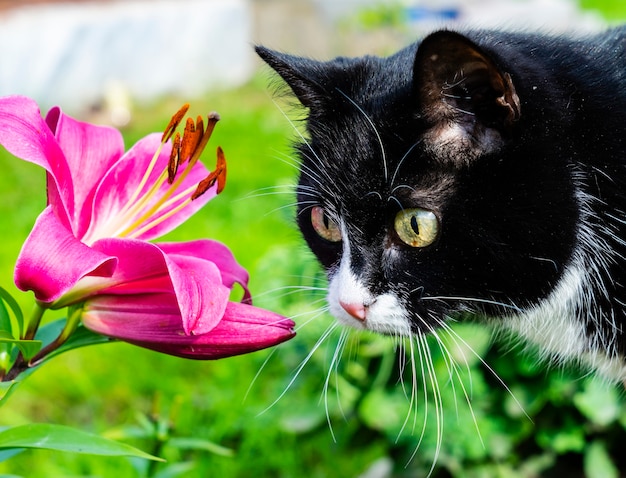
{"x":77,"y":54}
{"x":425,"y":15}
{"x":546,"y":15}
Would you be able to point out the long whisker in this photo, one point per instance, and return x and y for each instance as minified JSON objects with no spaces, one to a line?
{"x":443,"y":298}
{"x":413,"y":394}
{"x":302,"y":168}
{"x":333,"y":367}
{"x":453,"y":367}
{"x":317,"y":314}
{"x":369,"y":120}
{"x":289,"y":206}
{"x":298,"y":132}
{"x":289,"y":290}
{"x":486,"y":365}
{"x":406,"y":155}
{"x":424,"y":388}
{"x":317,"y":345}
{"x":258,"y":373}
{"x":307,"y":171}
{"x":437,"y":399}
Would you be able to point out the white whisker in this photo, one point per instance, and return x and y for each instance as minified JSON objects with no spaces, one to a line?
{"x":406,"y":155}
{"x":453,"y":367}
{"x":333,"y":367}
{"x":412,"y":397}
{"x":319,"y":342}
{"x":371,"y":123}
{"x":258,"y":373}
{"x":443,"y":298}
{"x":437,"y":399}
{"x":317,"y":313}
{"x":487,"y":366}
{"x":289,"y":290}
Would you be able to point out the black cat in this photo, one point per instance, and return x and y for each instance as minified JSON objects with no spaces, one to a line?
{"x":479,"y":174}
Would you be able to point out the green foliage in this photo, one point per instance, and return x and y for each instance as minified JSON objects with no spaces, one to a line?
{"x":62,"y":438}
{"x":613,"y":10}
{"x":381,"y":15}
{"x":326,"y":403}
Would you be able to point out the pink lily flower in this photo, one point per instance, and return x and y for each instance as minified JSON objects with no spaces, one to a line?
{"x":90,"y":244}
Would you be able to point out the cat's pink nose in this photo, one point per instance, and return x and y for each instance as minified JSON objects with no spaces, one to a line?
{"x":355,"y":310}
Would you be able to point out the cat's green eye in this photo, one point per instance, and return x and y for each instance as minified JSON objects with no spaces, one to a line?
{"x":325,"y":227}
{"x":417,"y":227}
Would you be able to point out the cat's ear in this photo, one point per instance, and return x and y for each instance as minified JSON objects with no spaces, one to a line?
{"x":469,"y":104}
{"x":301,"y":74}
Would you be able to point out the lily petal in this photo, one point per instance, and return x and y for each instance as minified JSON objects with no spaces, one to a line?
{"x":232,"y":272}
{"x":151,"y":321}
{"x":200,"y":293}
{"x":42,"y":265}
{"x":89,"y":151}
{"x":25,"y":134}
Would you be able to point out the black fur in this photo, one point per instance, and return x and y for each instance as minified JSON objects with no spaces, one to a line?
{"x":515,"y":141}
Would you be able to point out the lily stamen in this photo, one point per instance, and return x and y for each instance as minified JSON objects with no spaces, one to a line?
{"x":191,"y":138}
{"x":217,"y":176}
{"x":187,"y":151}
{"x":212,"y":118}
{"x":174,"y":122}
{"x":132,"y":206}
{"x":174,"y":162}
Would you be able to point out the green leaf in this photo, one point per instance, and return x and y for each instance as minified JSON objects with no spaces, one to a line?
{"x":302,"y":417}
{"x":6,"y":389}
{"x":175,"y":470}
{"x":199,"y":444}
{"x":6,"y":454}
{"x":565,"y":438}
{"x":385,"y":410}
{"x":28,"y":347}
{"x":81,"y":337}
{"x":5,"y":320}
{"x":62,"y":438}
{"x":6,"y":298}
{"x":599,"y":402}
{"x":598,"y":463}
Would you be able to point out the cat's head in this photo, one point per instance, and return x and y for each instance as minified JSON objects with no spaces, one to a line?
{"x":427,"y":187}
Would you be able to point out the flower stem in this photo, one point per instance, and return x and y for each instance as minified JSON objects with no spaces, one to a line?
{"x":73,"y":319}
{"x":33,"y":323}
{"x":21,"y":364}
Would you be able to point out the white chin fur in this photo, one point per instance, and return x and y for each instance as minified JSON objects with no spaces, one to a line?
{"x":385,"y":314}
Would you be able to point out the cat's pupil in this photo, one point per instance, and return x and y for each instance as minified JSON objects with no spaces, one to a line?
{"x":414,"y":225}
{"x":326,"y":220}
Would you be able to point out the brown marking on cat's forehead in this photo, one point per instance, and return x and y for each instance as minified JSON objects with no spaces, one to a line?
{"x":459,"y":143}
{"x":430,"y":192}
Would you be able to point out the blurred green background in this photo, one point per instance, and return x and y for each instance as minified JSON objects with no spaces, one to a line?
{"x":298,"y":410}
